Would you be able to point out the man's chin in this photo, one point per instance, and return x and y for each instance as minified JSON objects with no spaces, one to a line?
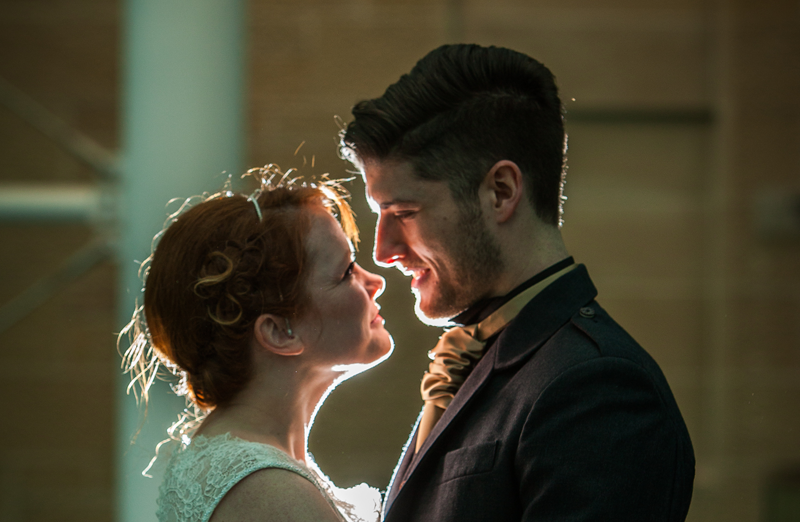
{"x":430,"y":314}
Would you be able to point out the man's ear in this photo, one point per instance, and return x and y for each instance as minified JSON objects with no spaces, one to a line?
{"x":274,"y":333}
{"x":505,"y":189}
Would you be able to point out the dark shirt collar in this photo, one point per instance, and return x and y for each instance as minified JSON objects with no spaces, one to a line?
{"x":484,"y":308}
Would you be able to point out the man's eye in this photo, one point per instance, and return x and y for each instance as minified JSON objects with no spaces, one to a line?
{"x":404,"y":214}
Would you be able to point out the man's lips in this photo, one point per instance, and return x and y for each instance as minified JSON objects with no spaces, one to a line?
{"x":418,"y":275}
{"x":414,"y":271}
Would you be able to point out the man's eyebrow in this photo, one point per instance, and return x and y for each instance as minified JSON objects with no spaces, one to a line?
{"x":398,"y":202}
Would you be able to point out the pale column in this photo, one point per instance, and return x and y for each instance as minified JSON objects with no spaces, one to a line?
{"x":182,"y":118}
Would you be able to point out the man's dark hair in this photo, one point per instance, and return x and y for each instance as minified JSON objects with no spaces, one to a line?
{"x":459,"y":111}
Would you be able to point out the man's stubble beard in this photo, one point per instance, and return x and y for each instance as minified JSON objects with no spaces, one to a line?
{"x":476,"y":261}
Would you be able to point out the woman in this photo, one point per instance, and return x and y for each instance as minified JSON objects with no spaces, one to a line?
{"x":257,"y":305}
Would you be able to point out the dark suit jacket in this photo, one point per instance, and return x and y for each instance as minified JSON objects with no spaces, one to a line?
{"x":565,"y":418}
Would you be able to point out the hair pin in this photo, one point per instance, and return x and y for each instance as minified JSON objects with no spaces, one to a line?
{"x":254,"y":201}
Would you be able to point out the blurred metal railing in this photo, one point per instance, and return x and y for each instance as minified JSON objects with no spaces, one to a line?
{"x":93,"y":204}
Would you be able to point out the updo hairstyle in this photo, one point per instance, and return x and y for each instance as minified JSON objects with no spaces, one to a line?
{"x":215,"y":269}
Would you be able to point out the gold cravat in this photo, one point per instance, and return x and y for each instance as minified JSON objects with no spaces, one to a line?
{"x":457,"y":352}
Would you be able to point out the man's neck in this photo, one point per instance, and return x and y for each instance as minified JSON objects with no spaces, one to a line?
{"x":528,"y":246}
{"x":484,"y":307}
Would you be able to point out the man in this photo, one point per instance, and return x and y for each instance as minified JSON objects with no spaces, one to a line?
{"x":541,"y":408}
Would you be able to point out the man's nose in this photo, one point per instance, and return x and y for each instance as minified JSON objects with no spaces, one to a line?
{"x":389,"y":242}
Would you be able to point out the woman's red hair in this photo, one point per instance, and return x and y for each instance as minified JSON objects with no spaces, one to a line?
{"x":215,"y":269}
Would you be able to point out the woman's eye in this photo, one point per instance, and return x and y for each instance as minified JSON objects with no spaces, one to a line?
{"x":349,"y":271}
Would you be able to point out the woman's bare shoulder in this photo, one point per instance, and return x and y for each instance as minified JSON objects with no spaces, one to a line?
{"x":276,"y":495}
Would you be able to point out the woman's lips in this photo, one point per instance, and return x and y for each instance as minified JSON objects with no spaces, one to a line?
{"x":377,"y":319}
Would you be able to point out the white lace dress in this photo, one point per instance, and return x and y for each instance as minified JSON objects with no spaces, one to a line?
{"x":198,"y":475}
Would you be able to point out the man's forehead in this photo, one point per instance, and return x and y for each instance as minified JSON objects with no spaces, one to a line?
{"x":392,"y":182}
{"x":387,"y":171}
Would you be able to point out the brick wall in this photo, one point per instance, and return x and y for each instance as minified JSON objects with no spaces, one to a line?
{"x":683,"y":112}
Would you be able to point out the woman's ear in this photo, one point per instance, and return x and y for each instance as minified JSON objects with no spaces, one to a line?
{"x":275,"y":334}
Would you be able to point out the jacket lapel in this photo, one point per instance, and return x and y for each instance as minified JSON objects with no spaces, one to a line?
{"x":547,"y":312}
{"x":543,"y":316}
{"x":477,"y":378}
{"x":409,"y":461}
{"x":401,"y":470}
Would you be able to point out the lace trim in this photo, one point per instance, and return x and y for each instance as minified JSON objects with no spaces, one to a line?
{"x":199,"y":475}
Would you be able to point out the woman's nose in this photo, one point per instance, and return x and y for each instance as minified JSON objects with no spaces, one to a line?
{"x":375,"y":284}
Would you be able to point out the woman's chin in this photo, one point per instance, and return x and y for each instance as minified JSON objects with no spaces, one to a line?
{"x":380,"y":354}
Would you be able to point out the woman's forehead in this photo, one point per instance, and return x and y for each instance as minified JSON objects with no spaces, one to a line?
{"x":326,"y":241}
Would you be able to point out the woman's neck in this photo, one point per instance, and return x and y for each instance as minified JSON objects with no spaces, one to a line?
{"x":276,"y":408}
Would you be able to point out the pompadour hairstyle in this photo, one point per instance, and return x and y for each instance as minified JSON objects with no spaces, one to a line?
{"x":459,"y":111}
